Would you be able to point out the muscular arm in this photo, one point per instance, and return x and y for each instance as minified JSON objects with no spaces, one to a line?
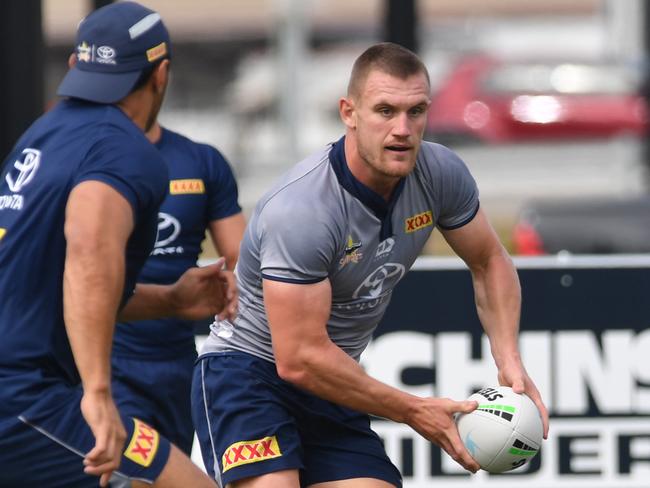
{"x":98,"y":222}
{"x":306,"y":357}
{"x":226,"y":235}
{"x":94,"y":276}
{"x":498,"y":301}
{"x":496,"y":285}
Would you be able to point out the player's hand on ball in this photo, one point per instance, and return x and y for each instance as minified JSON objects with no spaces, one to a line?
{"x":513,"y":374}
{"x":206,"y":291}
{"x":504,"y":432}
{"x":433,"y":418}
{"x":102,"y":416}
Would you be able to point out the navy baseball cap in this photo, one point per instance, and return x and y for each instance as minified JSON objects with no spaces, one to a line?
{"x":115,"y":44}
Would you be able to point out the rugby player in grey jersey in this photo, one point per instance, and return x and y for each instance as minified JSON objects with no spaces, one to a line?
{"x":279,"y":398}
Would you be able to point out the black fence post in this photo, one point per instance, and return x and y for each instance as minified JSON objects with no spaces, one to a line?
{"x":400,"y":23}
{"x":21,"y":68}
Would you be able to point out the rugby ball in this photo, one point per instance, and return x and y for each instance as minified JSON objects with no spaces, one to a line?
{"x":504,"y":432}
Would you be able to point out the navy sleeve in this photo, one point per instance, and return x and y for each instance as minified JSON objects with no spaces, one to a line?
{"x":132,"y":167}
{"x":221,"y":185}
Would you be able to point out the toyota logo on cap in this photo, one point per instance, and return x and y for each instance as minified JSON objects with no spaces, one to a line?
{"x":105,"y":52}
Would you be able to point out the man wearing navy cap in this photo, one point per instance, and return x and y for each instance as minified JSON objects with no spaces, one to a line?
{"x":79,"y":198}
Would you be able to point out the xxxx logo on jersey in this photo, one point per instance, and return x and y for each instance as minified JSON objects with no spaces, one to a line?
{"x":419,"y":221}
{"x":246,"y":452}
{"x":181,"y":187}
{"x":143,"y":445}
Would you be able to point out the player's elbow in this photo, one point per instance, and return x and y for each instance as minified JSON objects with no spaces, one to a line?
{"x":292,"y":370}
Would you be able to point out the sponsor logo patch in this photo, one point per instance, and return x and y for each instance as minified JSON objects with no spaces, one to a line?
{"x":24,"y":170}
{"x":352,"y":252}
{"x":419,"y":221}
{"x":2,"y":233}
{"x":246,"y":452}
{"x":156,"y":52}
{"x":385,"y":247}
{"x":183,"y":187}
{"x":143,"y":445}
{"x":105,"y":55}
{"x":84,"y":52}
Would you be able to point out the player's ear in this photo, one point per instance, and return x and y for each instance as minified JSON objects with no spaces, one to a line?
{"x":347,"y":113}
{"x":161,"y":75}
{"x":72,"y":60}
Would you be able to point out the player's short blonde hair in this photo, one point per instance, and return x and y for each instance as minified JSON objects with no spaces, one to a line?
{"x":389,"y":58}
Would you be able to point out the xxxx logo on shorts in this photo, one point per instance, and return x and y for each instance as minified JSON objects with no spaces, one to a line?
{"x":246,"y":452}
{"x":180,"y":187}
{"x":419,"y":221}
{"x":143,"y":445}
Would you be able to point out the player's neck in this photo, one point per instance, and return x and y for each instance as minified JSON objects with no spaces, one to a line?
{"x":155,"y":133}
{"x":363,"y":171}
{"x":137,"y":107}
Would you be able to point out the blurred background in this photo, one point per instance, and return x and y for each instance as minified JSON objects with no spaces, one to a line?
{"x":543,"y":99}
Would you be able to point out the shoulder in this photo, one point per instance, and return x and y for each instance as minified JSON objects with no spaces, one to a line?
{"x":441,"y":167}
{"x":119,"y":146}
{"x":437,"y":158}
{"x":200,"y":148}
{"x":306,"y":197}
{"x":206,"y":160}
{"x":309,"y":184}
{"x":125,"y":147}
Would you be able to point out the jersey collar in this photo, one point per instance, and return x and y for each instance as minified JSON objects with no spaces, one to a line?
{"x":381,"y":208}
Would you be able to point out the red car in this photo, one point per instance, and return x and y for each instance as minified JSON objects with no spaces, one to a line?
{"x":488,"y":100}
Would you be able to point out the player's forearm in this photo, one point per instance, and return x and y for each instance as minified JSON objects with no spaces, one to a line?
{"x":328,"y":372}
{"x":148,"y":302}
{"x":498,"y":303}
{"x":92,"y":287}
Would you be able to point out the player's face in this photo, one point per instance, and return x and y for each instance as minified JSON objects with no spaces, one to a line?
{"x":390,"y":117}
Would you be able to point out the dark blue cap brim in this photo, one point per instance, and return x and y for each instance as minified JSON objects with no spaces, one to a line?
{"x":97,"y":87}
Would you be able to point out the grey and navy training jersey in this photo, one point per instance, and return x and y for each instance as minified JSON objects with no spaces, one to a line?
{"x":321,"y":222}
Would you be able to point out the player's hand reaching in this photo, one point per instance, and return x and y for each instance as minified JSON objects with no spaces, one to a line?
{"x":106,"y":425}
{"x":512,"y":373}
{"x":433,"y":418}
{"x":204,"y":292}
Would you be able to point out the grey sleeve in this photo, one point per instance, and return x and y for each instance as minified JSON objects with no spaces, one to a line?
{"x":459,"y":202}
{"x":297,"y":243}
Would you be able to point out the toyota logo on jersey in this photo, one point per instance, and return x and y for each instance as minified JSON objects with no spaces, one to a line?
{"x":23,"y":171}
{"x":168,"y":229}
{"x":384,"y":277}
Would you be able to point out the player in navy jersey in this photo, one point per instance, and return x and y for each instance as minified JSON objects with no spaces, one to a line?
{"x":279,"y":398}
{"x":79,"y":199}
{"x":153,"y":360}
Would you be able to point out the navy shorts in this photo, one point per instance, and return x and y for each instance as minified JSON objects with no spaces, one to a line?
{"x":158,"y":392}
{"x":251,"y":422}
{"x":45,"y":447}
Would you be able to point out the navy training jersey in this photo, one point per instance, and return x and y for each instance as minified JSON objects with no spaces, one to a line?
{"x":76,"y":141}
{"x":320,"y":222}
{"x":202,"y":188}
